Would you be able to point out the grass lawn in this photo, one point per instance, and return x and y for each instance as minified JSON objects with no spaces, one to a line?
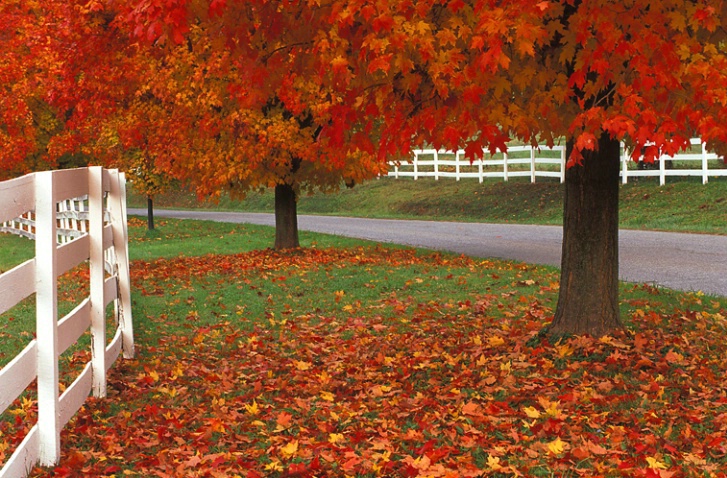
{"x":351,"y":359}
{"x":683,"y":204}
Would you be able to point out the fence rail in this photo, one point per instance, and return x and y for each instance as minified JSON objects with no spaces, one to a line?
{"x":101,"y":231}
{"x":542,"y":161}
{"x":72,"y":218}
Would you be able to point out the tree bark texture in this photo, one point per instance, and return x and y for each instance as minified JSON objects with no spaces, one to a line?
{"x":588,"y":298}
{"x":150,"y":213}
{"x":286,"y":217}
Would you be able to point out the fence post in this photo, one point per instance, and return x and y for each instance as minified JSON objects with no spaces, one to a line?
{"x":504,"y":165}
{"x":662,"y":170}
{"x":456,"y":164}
{"x":117,"y":212}
{"x":480,"y":166}
{"x":532,"y":164}
{"x":624,"y":164}
{"x":416,"y":168}
{"x":705,"y":164}
{"x":49,"y":432}
{"x":96,"y":254}
{"x":562,"y":165}
{"x":81,"y":210}
{"x":436,"y":166}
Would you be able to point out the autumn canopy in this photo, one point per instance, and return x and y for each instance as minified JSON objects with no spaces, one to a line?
{"x":306,"y":95}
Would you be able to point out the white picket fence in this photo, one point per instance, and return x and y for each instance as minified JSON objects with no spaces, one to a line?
{"x":529,"y":161}
{"x":44,"y":193}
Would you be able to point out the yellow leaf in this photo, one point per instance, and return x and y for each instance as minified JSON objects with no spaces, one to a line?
{"x":290,"y":449}
{"x":154,"y":376}
{"x":564,"y":350}
{"x":531,"y":412}
{"x":493,"y":463}
{"x":552,"y":409}
{"x":477,"y":340}
{"x":274,"y":466}
{"x":327,"y":396}
{"x":557,"y":446}
{"x":655,"y":464}
{"x":300,"y":365}
{"x":324,"y":377}
{"x":335,"y":437}
{"x":506,"y":367}
{"x":178,"y":371}
{"x":495,"y":341}
{"x":252,"y":409}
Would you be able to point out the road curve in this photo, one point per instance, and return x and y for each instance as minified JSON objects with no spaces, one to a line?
{"x":688,"y":262}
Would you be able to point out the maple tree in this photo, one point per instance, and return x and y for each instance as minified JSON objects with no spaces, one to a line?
{"x":300,"y":95}
{"x":64,"y":71}
{"x":239,"y":104}
{"x":477,"y":74}
{"x":17,"y":90}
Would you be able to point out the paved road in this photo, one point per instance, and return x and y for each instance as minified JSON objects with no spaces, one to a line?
{"x":687,"y":262}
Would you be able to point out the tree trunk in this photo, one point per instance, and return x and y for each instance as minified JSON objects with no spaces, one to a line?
{"x":150,"y":213}
{"x":588,"y":298}
{"x":286,"y":217}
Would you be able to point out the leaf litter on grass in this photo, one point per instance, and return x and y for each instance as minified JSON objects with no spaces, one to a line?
{"x":437,"y":370}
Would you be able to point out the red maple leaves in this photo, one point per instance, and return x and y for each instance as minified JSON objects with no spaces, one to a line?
{"x":390,"y":382}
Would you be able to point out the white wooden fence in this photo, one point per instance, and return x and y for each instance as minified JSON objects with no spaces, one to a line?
{"x":534,"y":162}
{"x":511,"y":164}
{"x":700,"y":158}
{"x":44,"y":193}
{"x":72,"y":218}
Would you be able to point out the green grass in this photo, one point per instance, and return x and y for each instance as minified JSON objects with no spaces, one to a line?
{"x":14,"y":251}
{"x":683,"y":205}
{"x":222,"y":323}
{"x":173,"y":238}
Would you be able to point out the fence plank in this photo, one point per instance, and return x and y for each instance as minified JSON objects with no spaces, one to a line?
{"x":117,"y":208}
{"x":47,"y":318}
{"x":16,"y":284}
{"x":75,"y":395}
{"x":108,"y":236}
{"x":25,"y":456}
{"x":71,"y":254}
{"x":70,"y":183}
{"x":114,"y":348}
{"x":98,"y":289}
{"x":110,"y":290}
{"x":16,"y":197}
{"x":73,"y":325}
{"x":16,"y":375}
